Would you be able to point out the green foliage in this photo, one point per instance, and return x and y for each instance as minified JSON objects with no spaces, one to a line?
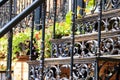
{"x":18,"y":39}
{"x":63,"y":28}
{"x":90,"y":3}
{"x":3,"y":46}
{"x":68,"y":17}
{"x":89,"y":6}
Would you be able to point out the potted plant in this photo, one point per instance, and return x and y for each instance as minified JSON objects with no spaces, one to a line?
{"x":3,"y":47}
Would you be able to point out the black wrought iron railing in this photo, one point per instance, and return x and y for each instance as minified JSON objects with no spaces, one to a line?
{"x":12,"y":22}
{"x":90,"y":47}
{"x":19,"y":14}
{"x":87,"y":33}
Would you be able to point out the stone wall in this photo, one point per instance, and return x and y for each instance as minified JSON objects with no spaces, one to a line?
{"x":19,"y":68}
{"x":21,"y":71}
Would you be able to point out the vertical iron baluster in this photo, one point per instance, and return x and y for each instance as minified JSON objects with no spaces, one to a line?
{"x":75,"y":8}
{"x":31,"y":37}
{"x":43,"y":40}
{"x":54,"y":7}
{"x":10,"y":37}
{"x":81,"y":3}
{"x":72,"y":37}
{"x":15,"y":7}
{"x":99,"y":37}
{"x":54,"y":23}
{"x":96,"y":70}
{"x":38,"y":18}
{"x":99,"y":26}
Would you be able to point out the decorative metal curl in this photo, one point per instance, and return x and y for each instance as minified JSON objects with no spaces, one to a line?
{"x":61,"y":50}
{"x":34,"y":72}
{"x":83,"y":71}
{"x":80,"y":71}
{"x":114,"y":23}
{"x":110,"y":46}
{"x":115,"y":3}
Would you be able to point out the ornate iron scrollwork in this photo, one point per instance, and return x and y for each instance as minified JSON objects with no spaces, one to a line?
{"x":61,"y":50}
{"x":34,"y":72}
{"x":109,"y":46}
{"x":80,"y":71}
{"x":108,"y":24}
{"x":107,"y":5}
{"x":85,"y":48}
{"x":62,"y":72}
{"x":115,"y":3}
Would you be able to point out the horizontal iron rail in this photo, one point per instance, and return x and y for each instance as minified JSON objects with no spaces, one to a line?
{"x":66,"y":60}
{"x":20,"y":17}
{"x":94,"y":17}
{"x":1,"y":71}
{"x":90,"y":36}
